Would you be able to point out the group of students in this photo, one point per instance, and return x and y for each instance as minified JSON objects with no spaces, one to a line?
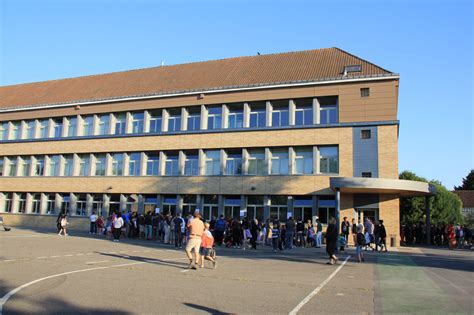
{"x":454,"y":235}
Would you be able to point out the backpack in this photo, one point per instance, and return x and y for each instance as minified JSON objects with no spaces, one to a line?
{"x":220,"y":225}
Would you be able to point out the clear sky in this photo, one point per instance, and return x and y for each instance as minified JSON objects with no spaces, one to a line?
{"x":429,"y":43}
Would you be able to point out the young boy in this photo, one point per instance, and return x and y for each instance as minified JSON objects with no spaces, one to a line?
{"x":360,"y":239}
{"x":207,"y":242}
{"x":275,"y":236}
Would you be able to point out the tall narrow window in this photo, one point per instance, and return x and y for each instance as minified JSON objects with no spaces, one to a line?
{"x":256,"y":162}
{"x":152,"y":164}
{"x":194,"y":119}
{"x":279,"y":161}
{"x":38,"y":169}
{"x":304,"y":112}
{"x":35,"y":203}
{"x":1,"y":166}
{"x":58,"y":128}
{"x":84,"y":165}
{"x":15,"y":131}
{"x":120,"y":123}
{"x":328,"y":160}
{"x":25,"y":166}
{"x":137,"y":122}
{"x":213,"y":162}
{"x":21,"y":202}
{"x":257,"y":115}
{"x":191,"y":164}
{"x":328,"y":110}
{"x":303,"y":160}
{"x":54,"y":164}
{"x":134,"y":164}
{"x":155,"y":121}
{"x":3,"y":131}
{"x":68,"y":164}
{"x":171,"y":164}
{"x":280,"y":113}
{"x":30,"y":129}
{"x":88,"y":126}
{"x":6,"y":205}
{"x":174,"y":120}
{"x":100,"y":160}
{"x":104,"y":124}
{"x":233,"y":165}
{"x":214,"y":118}
{"x":72,"y":127}
{"x":12,"y":164}
{"x":117,"y":164}
{"x":43,"y":129}
{"x":235,"y":120}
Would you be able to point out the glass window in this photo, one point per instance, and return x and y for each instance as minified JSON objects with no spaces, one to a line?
{"x":328,"y":160}
{"x":35,"y":203}
{"x":257,"y":115}
{"x":256,"y":162}
{"x":279,"y":161}
{"x":54,"y":164}
{"x":68,"y":165}
{"x":84,"y":164}
{"x":304,"y":112}
{"x":278,"y":208}
{"x":51,"y":203}
{"x":214,"y":118}
{"x":174,"y":121}
{"x":194,"y":120}
{"x":191,"y":164}
{"x":25,"y":166}
{"x":15,"y":131}
{"x":3,"y":131}
{"x":30,"y":129}
{"x":155,"y":121}
{"x":1,"y":166}
{"x":39,"y":166}
{"x":21,"y":202}
{"x":81,"y":204}
{"x":235,"y":120}
{"x":104,"y":124}
{"x":117,"y":164}
{"x":303,"y":160}
{"x":120,"y":124}
{"x":6,"y":205}
{"x":171,"y":164}
{"x":213,"y":162}
{"x":233,"y":165}
{"x":280,"y":113}
{"x":58,"y":128}
{"x":43,"y":129}
{"x":134,"y":164}
{"x":152,"y":164}
{"x":72,"y":127}
{"x":328,"y":110}
{"x":12,"y":164}
{"x":100,"y":160}
{"x":88,"y":126}
{"x":137,"y":122}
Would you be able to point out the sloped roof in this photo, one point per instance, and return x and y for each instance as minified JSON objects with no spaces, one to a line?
{"x":261,"y":70}
{"x":467,"y":197}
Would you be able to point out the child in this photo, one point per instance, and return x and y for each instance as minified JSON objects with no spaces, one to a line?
{"x":360,"y":242}
{"x":275,"y":236}
{"x":207,"y":242}
{"x":342,"y":242}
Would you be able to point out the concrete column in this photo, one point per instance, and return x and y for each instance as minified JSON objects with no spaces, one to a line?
{"x":15,"y":202}
{"x":316,"y":169}
{"x":266,"y":207}
{"x":179,"y":203}
{"x":50,"y":131}
{"x":108,"y":164}
{"x":76,"y":165}
{"x":128,"y":122}
{"x":126,"y":164}
{"x":181,"y":161}
{"x":428,"y":220}
{"x":95,"y":128}
{"x":43,"y":203}
{"x":72,"y":204}
{"x":62,"y":165}
{"x":29,"y":203}
{"x":162,"y":164}
{"x":18,"y":166}
{"x":146,"y":121}
{"x":225,"y":116}
{"x":220,"y":205}
{"x":123,"y":203}
{"x":243,"y":204}
{"x":223,"y":158}
{"x":10,"y":131}
{"x":246,"y":115}
{"x":58,"y":200}
{"x":47,"y":165}
{"x":93,"y":166}
{"x":245,"y":161}
{"x":23,"y":129}
{"x":159,"y":204}
{"x":291,"y":161}
{"x":106,"y":205}
{"x":63,"y":131}
{"x":2,"y":202}
{"x":202,"y":162}
{"x":37,"y":129}
{"x":292,"y":112}
{"x":338,"y":210}
{"x":200,"y":203}
{"x":80,"y":126}
{"x":164,"y":120}
{"x":314,"y":211}
{"x":268,"y":114}
{"x":289,"y":205}
{"x":203,"y":117}
{"x":90,"y":204}
{"x":184,"y":119}
{"x":316,"y":116}
{"x":143,"y":162}
{"x":113,"y":121}
{"x":268,"y":161}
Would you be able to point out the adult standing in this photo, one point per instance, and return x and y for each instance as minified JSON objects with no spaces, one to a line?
{"x":118,"y":224}
{"x":354,"y":230}
{"x":319,"y":233}
{"x":148,"y":226}
{"x":219,"y":229}
{"x":196,"y":229}
{"x":331,"y":240}
{"x":254,"y":230}
{"x":345,"y":228}
{"x":290,"y":233}
{"x":178,"y":231}
{"x":93,"y":221}
{"x":63,"y":223}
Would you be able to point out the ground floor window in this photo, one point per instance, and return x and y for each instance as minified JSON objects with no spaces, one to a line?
{"x":210,"y":206}
{"x":279,"y":208}
{"x":189,"y":204}
{"x":255,"y":208}
{"x":326,"y":208}
{"x":50,"y":203}
{"x":35,"y":203}
{"x":150,"y":202}
{"x":169,"y":205}
{"x":6,"y":202}
{"x":232,"y":207}
{"x":303,"y":208}
{"x":81,"y":205}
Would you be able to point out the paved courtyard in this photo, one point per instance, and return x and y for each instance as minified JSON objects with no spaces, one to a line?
{"x":41,"y":272}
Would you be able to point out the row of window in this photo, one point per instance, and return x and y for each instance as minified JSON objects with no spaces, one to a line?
{"x":231,"y":206}
{"x":281,"y":113}
{"x":257,"y":161}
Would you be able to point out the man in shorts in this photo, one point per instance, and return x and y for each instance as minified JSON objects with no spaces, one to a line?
{"x":196,"y":229}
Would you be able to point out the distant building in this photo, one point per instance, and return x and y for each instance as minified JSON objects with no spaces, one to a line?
{"x":467,"y":198}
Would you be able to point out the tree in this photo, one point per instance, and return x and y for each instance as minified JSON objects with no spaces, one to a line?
{"x":467,"y":183}
{"x":445,"y":206}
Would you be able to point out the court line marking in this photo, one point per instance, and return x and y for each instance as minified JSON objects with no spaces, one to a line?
{"x":318,"y":288}
{"x":7,"y":296}
{"x":96,"y":262}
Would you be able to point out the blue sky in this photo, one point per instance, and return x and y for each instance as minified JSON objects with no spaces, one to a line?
{"x":430,"y":43}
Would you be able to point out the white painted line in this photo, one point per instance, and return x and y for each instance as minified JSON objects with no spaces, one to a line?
{"x":318,"y":288}
{"x":68,"y":255}
{"x":79,"y":254}
{"x":41,"y":257}
{"x":96,"y":262}
{"x":8,"y":260}
{"x":55,"y":256}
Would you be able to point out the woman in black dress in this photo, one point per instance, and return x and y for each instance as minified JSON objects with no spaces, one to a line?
{"x":331,"y":240}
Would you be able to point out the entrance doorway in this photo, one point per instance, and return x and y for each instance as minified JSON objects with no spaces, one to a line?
{"x":372,"y":214}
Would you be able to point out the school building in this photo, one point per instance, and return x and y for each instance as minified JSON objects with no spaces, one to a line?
{"x":302,"y":134}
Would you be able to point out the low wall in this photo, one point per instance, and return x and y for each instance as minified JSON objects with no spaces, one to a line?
{"x":42,"y":221}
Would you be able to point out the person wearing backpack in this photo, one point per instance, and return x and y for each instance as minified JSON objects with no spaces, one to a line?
{"x":219,"y":229}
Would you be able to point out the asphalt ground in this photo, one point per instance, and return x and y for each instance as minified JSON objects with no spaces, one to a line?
{"x":41,"y":272}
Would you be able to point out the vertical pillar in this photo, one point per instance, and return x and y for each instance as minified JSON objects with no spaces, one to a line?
{"x":316,"y":168}
{"x":19,"y":166}
{"x":220,"y":205}
{"x":113,"y":122}
{"x":128,"y":122}
{"x":243,"y":205}
{"x":202,"y":162}
{"x":123,"y":203}
{"x":43,"y":203}
{"x":50,"y":130}
{"x":316,"y":116}
{"x":126,"y":164}
{"x":292,"y":112}
{"x":181,"y":161}
{"x":37,"y":128}
{"x":179,"y":204}
{"x":79,"y":126}
{"x":62,"y":165}
{"x":159,"y":203}
{"x":15,"y":203}
{"x":90,"y":205}
{"x":245,"y":161}
{"x":23,"y":130}
{"x":58,"y":202}
{"x":146,"y":121}
{"x":200,"y":202}
{"x":72,"y":204}
{"x":268,"y":161}
{"x":428,"y":220}
{"x":225,"y":116}
{"x":64,"y":132}
{"x":223,"y":157}
{"x":108,"y":164}
{"x":29,"y":203}
{"x":106,"y":205}
{"x":338,"y":210}
{"x":92,"y":164}
{"x":268,"y":114}
{"x":203,"y":117}
{"x":314,"y":211}
{"x":96,"y":124}
{"x":246,"y":115}
{"x":143,"y":163}
{"x":291,"y":161}
{"x":266,"y":207}
{"x":162,"y":164}
{"x":164,"y":120}
{"x":184,"y":119}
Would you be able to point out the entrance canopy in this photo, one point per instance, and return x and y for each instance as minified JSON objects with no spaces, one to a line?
{"x":364,"y":185}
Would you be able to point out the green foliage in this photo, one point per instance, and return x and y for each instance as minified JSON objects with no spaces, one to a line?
{"x":467,"y":183}
{"x":445,"y":206}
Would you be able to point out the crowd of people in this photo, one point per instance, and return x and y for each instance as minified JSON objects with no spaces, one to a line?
{"x":454,"y":236}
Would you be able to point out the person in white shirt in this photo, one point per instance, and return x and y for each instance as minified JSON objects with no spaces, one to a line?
{"x":93,"y":219}
{"x":118,"y":224}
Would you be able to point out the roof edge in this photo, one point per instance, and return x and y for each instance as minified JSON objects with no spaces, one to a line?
{"x":273,"y":85}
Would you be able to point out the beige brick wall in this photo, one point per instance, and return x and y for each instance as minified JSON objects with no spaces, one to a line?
{"x":42,"y":221}
{"x":388,"y":151}
{"x":389,"y":212}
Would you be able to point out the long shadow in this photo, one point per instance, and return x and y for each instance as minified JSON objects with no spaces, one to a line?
{"x":206,"y":309}
{"x":155,"y":261}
